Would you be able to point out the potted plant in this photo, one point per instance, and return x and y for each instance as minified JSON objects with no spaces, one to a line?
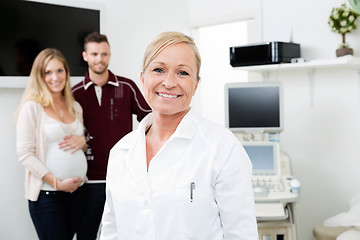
{"x":343,"y":20}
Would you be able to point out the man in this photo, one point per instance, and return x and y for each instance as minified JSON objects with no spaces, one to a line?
{"x":108,"y":102}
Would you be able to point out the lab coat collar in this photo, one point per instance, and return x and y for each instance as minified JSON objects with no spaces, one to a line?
{"x":135,"y":159}
{"x":187,"y":126}
{"x":186,"y":129}
{"x":135,"y":145}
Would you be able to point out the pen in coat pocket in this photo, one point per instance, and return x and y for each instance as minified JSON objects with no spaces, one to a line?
{"x":192,"y":188}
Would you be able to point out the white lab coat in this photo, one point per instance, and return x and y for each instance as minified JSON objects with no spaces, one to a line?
{"x":156,"y":204}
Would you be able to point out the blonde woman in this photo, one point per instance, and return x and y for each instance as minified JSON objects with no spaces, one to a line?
{"x":178,"y":176}
{"x":50,"y":142}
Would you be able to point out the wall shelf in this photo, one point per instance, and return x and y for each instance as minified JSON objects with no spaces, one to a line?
{"x":340,"y":62}
{"x":345,"y":62}
{"x":13,"y":82}
{"x":21,"y":82}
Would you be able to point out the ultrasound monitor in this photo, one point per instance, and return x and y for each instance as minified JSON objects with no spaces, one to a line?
{"x":254,"y":107}
{"x":264,"y":156}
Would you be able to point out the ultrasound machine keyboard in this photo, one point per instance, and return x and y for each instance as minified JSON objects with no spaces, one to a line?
{"x":268,"y":185}
{"x":268,"y":188}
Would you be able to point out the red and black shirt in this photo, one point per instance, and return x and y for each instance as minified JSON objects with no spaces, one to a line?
{"x":108,"y":122}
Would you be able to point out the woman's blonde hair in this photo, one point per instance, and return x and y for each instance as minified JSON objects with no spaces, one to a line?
{"x":165,"y":40}
{"x":37,"y":89}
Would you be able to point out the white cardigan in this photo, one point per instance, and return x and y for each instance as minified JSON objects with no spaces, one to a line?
{"x":31,"y":145}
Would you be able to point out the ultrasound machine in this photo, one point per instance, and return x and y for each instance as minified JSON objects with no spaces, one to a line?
{"x":273,"y":189}
{"x":254,"y":113}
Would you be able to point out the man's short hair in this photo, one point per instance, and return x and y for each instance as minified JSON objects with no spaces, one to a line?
{"x":95,"y":37}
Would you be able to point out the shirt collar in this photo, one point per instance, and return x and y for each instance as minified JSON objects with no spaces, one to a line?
{"x":187,"y":126}
{"x":186,"y":129}
{"x":112,"y":80}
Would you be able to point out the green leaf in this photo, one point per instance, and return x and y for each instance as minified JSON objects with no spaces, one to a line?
{"x":355,"y":4}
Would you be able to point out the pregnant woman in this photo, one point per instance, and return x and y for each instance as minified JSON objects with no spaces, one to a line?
{"x":50,"y":143}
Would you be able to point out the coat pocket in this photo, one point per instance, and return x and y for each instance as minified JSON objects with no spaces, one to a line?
{"x":198,"y":214}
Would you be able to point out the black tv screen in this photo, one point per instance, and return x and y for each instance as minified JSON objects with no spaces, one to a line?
{"x":27,"y":27}
{"x":254,"y":107}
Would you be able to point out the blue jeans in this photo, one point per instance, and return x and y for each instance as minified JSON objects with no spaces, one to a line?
{"x":56,"y":215}
{"x":94,"y":207}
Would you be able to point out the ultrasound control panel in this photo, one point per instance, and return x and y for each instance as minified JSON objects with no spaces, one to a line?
{"x":268,"y":188}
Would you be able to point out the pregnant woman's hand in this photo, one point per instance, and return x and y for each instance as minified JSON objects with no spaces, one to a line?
{"x":73,"y":143}
{"x":69,"y":184}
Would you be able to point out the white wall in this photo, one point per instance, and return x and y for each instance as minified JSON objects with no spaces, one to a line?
{"x":131,"y":25}
{"x":322,"y":140}
{"x":14,"y":211}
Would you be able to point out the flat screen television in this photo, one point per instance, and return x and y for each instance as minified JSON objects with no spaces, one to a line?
{"x":30,"y":26}
{"x":254,"y":107}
